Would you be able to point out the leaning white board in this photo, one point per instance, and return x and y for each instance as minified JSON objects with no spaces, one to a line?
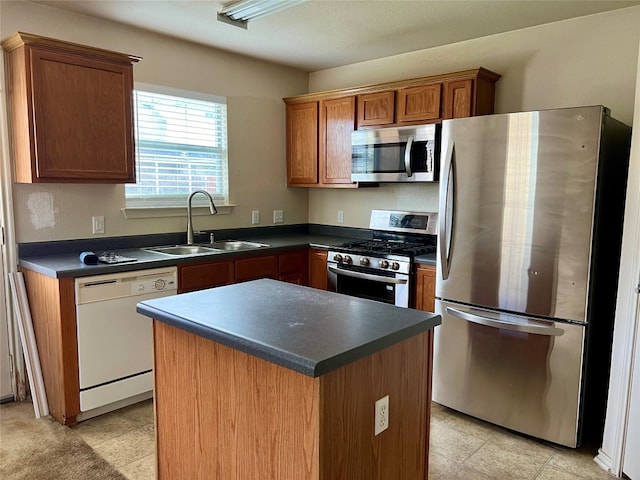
{"x":27,"y":337}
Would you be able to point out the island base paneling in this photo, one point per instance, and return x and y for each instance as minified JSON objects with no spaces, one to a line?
{"x":224,"y":414}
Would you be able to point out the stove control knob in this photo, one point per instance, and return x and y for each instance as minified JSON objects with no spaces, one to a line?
{"x":384,"y":264}
{"x":348,"y":260}
{"x":338,"y":258}
{"x":395,"y":266}
{"x":159,"y":284}
{"x":364,"y":261}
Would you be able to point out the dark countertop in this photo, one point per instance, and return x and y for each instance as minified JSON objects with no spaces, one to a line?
{"x":304,"y":329}
{"x":61,"y":259}
{"x":69,"y":264}
{"x":429,"y":259}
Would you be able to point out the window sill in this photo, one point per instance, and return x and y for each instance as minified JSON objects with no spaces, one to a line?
{"x":164,"y":212}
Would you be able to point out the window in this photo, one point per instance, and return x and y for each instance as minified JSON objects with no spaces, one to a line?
{"x":181,"y":146}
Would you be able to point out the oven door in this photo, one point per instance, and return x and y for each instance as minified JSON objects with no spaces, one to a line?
{"x":387,"y":287}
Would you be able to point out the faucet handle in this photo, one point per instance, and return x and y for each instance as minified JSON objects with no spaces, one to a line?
{"x":212,"y":237}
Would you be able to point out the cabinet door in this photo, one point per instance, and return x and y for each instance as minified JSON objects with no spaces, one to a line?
{"x":421,"y":103}
{"x":425,"y":287}
{"x":458,"y":99}
{"x":293,"y":267}
{"x":256,"y":267}
{"x":337,"y":121}
{"x":318,"y":269}
{"x":375,"y":108}
{"x":204,"y":275}
{"x":82,"y":118}
{"x":302,"y":143}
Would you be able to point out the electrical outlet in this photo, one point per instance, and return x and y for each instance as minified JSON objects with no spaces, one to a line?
{"x":255,"y":217}
{"x":340,"y":216}
{"x":97,"y":224}
{"x":381,"y":415}
{"x":278,"y":216}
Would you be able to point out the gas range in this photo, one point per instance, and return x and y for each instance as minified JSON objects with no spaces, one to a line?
{"x":381,"y":268}
{"x":398,"y":237}
{"x":381,"y":254}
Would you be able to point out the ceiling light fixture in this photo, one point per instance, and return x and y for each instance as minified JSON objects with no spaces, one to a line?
{"x":239,"y":13}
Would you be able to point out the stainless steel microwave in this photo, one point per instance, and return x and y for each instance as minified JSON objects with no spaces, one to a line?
{"x":397,"y":154}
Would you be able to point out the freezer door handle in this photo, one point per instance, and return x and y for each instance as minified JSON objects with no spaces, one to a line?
{"x":497,"y":323}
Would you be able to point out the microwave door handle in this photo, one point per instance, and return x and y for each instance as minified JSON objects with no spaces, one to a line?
{"x":366,"y":276}
{"x":407,"y":157}
{"x":495,"y":323}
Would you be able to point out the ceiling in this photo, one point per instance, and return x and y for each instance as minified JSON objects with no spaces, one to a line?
{"x":319,"y":34}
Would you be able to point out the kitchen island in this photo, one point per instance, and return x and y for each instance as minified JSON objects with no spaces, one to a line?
{"x":270,"y":380}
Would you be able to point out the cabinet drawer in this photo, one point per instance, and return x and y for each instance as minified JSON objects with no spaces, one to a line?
{"x":257,"y":267}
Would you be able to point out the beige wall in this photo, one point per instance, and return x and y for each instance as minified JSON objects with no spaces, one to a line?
{"x":585,"y":61}
{"x":591,"y":60}
{"x":256,"y":115}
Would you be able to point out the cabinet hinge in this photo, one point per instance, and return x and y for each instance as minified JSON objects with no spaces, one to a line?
{"x":11,"y":364}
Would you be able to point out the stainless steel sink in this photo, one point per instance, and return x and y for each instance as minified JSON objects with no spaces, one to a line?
{"x":236,"y":245}
{"x":207,"y":249}
{"x":183,"y":250}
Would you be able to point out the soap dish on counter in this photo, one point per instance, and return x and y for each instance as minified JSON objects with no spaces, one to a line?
{"x":111,"y":257}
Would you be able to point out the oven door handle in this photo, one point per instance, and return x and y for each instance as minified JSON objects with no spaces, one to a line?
{"x":495,"y":323}
{"x":366,"y":276}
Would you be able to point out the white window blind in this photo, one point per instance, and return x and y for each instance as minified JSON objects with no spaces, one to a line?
{"x":181,"y":146}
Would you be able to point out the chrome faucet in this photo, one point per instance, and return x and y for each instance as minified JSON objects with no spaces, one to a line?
{"x":212,"y":208}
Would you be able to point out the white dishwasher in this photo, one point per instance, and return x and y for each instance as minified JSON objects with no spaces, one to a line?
{"x":115,"y":344}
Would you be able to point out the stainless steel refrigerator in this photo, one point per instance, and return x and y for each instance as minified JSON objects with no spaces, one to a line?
{"x":530,"y":226}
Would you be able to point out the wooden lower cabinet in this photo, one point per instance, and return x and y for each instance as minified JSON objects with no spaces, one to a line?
{"x":425,"y":287}
{"x":205,"y":275}
{"x":318,"y":268}
{"x":293,"y":267}
{"x":256,"y":267}
{"x":290,"y":266}
{"x":223,"y":414}
{"x":53,"y":313}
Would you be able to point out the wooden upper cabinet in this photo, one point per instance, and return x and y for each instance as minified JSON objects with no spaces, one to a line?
{"x":337,"y":122}
{"x":375,"y":109}
{"x":458,"y":95}
{"x":421,"y":103}
{"x":470,"y":95}
{"x":302,"y":143}
{"x":70,"y":107}
{"x":319,"y":125}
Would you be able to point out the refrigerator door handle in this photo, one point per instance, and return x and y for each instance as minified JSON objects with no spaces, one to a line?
{"x":446,"y":202}
{"x":495,"y":323}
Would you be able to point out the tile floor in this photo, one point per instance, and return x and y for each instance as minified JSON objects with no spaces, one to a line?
{"x":461,"y":448}
{"x":124,"y":438}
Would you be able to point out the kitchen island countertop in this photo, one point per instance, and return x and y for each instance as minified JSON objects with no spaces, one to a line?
{"x":306,"y":330}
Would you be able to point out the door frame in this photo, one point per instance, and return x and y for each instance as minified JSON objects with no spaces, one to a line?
{"x":626,"y":341}
{"x":8,"y":248}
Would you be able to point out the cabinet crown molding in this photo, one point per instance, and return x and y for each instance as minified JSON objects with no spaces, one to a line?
{"x":479,"y":72}
{"x":20,"y":39}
